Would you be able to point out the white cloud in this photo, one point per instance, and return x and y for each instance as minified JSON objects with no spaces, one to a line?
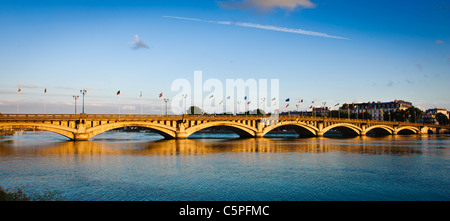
{"x":129,"y":107}
{"x":265,"y":27}
{"x":266,"y":5}
{"x":289,"y":4}
{"x":138,"y":43}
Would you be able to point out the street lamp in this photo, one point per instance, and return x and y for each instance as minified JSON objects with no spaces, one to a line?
{"x":166,"y":100}
{"x":185,"y":96}
{"x":264,"y":104}
{"x":238,"y":107}
{"x":75,"y":97}
{"x":84,"y":91}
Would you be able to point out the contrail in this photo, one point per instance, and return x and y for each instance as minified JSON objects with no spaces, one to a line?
{"x":265,"y":27}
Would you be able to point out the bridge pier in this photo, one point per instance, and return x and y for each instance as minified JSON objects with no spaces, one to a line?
{"x":181,"y":135}
{"x":320,"y":127}
{"x":81,"y":137}
{"x":363,"y":130}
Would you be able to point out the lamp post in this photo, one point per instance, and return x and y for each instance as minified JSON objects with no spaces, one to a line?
{"x":84,"y":91}
{"x":348,"y":111}
{"x":75,"y":97}
{"x":166,"y":100}
{"x":264,"y":104}
{"x":185,"y":96}
{"x":238,"y":107}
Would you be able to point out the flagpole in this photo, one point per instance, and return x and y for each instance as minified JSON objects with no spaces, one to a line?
{"x":141,"y":102}
{"x":185,"y":110}
{"x":45,"y":104}
{"x":18,"y":101}
{"x":118,"y":98}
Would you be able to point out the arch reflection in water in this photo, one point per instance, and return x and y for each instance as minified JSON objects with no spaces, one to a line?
{"x":407,"y":167}
{"x":105,"y":146}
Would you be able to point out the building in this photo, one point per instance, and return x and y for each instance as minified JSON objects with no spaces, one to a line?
{"x":429,"y":116}
{"x":376,"y":109}
{"x":321,"y":111}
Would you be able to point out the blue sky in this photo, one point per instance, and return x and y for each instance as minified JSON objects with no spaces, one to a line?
{"x":359,"y":50}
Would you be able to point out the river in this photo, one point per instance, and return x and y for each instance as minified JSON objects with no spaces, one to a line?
{"x":133,"y":166}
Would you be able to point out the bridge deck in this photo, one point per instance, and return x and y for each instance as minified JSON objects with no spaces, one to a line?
{"x":134,"y":117}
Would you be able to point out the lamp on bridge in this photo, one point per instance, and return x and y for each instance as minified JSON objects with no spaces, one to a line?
{"x":75,"y":97}
{"x":185,"y":96}
{"x":166,"y":100}
{"x":84,"y":91}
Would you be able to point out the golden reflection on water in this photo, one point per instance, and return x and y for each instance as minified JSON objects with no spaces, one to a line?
{"x":400,"y":144}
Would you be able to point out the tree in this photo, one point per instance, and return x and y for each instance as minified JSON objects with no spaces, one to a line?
{"x":442,"y":119}
{"x":414,"y":114}
{"x":411,"y":114}
{"x":194,"y":110}
{"x":257,"y":112}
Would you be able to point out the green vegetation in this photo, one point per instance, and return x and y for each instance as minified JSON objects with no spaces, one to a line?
{"x":411,"y":114}
{"x":442,"y":119}
{"x":194,"y":110}
{"x":19,"y":195}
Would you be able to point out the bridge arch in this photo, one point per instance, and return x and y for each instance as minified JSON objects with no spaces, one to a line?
{"x":299,"y":127}
{"x":350,"y":128}
{"x":408,"y":128}
{"x":241,"y":129}
{"x":64,"y":131}
{"x":164,"y":130}
{"x":384,"y":128}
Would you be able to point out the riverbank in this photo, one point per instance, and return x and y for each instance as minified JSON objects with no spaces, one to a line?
{"x":7,"y":132}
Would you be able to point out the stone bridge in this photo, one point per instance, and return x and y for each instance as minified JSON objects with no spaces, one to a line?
{"x":86,"y":126}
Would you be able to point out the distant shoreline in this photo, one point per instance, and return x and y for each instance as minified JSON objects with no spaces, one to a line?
{"x":7,"y":132}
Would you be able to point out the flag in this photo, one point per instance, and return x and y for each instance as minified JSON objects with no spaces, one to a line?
{"x":211,"y":96}
{"x":160,"y":95}
{"x":300,"y":101}
{"x":287,"y":100}
{"x":228,"y":97}
{"x":45,"y":90}
{"x":141,"y":94}
{"x":287,"y":105}
{"x":118,"y":92}
{"x":273,"y":99}
{"x":310,"y":107}
{"x":221,"y":102}
{"x":336,"y":104}
{"x":245,"y":98}
{"x":19,"y":89}
{"x":248,"y":102}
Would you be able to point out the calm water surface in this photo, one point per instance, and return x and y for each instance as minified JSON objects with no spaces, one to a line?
{"x":116,"y":166}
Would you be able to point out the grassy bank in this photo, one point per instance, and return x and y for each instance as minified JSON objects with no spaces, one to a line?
{"x":19,"y":195}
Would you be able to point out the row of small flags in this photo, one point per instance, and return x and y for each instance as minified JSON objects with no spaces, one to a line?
{"x":301,"y":101}
{"x":245,"y":98}
{"x":19,"y":90}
